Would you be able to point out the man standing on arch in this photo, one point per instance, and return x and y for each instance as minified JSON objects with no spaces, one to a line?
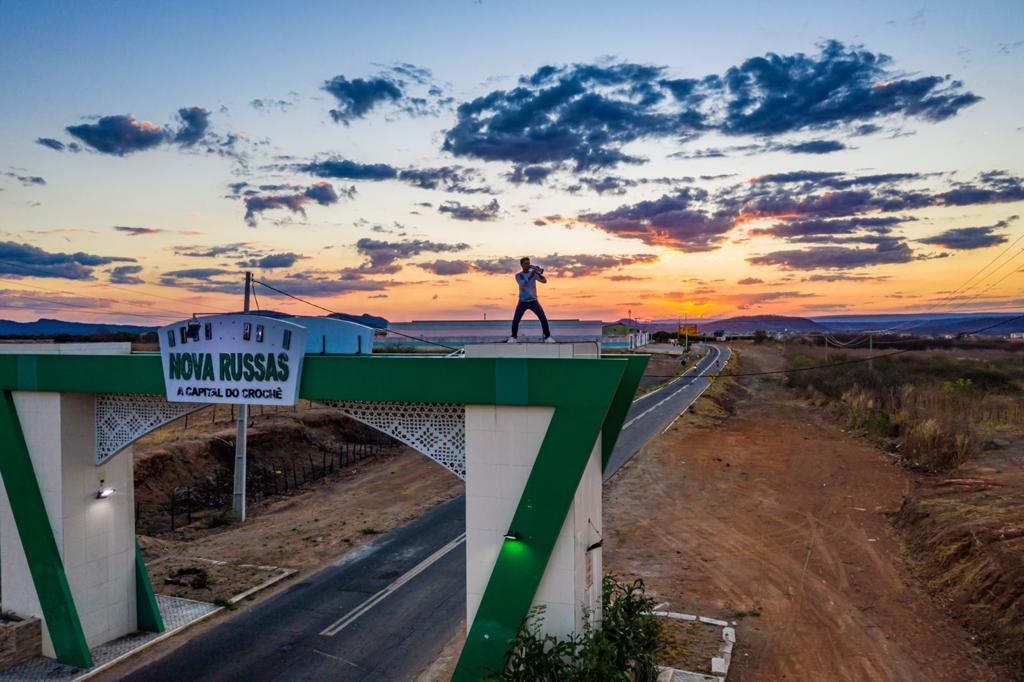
{"x":527,"y":281}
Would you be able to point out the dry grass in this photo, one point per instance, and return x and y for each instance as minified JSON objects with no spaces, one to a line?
{"x":937,"y":409}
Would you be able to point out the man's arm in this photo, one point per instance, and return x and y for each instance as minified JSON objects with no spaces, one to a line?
{"x":539,"y":277}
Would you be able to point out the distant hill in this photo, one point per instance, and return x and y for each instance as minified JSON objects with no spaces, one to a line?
{"x":925,"y":325}
{"x":770,"y":323}
{"x":369,"y":320}
{"x":48,"y":327}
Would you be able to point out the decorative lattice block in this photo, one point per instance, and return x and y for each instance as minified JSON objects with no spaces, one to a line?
{"x":437,"y":430}
{"x":122,"y":419}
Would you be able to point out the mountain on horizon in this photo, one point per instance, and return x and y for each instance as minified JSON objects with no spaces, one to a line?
{"x":746,"y":324}
{"x":48,"y":327}
{"x":51,"y":327}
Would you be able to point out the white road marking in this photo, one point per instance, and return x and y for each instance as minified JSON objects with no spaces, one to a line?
{"x":667,"y":398}
{"x":353,"y":615}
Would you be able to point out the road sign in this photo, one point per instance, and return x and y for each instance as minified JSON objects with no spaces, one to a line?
{"x":238,"y":359}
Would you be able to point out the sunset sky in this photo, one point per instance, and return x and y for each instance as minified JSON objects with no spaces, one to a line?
{"x":700,"y":159}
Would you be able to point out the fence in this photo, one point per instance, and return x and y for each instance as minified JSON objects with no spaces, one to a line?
{"x":265,"y":479}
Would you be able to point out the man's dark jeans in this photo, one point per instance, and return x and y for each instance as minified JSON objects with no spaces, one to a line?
{"x":533,"y":305}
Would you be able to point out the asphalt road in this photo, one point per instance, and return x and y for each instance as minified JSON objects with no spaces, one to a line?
{"x":384,"y":611}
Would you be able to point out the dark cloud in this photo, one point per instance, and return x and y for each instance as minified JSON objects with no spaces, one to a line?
{"x":837,"y":277}
{"x":806,"y":147}
{"x":810,"y":206}
{"x":383,"y":256}
{"x":238,"y":249}
{"x":472,"y":213}
{"x":772,"y":297}
{"x":266,"y":104}
{"x":993,"y":187}
{"x":344,"y":169}
{"x":407,"y":88}
{"x":274,"y":260}
{"x":615,"y":184}
{"x":530,"y":175}
{"x":815,"y":147}
{"x":836,"y":257}
{"x":585,"y":114}
{"x":57,"y":145}
{"x":120,"y":134}
{"x":839,"y":86}
{"x":197,"y":273}
{"x":677,"y":220}
{"x":356,"y":97}
{"x":448,"y":267}
{"x":123,"y":134}
{"x":26,"y":180}
{"x":967,"y":238}
{"x":447,"y":178}
{"x":195,"y":121}
{"x":581,"y":113}
{"x":25,"y":260}
{"x":578,"y":265}
{"x":136,"y":231}
{"x":750,"y":280}
{"x":321,"y":193}
{"x":796,"y":229}
{"x":126,"y":274}
{"x":608,"y":184}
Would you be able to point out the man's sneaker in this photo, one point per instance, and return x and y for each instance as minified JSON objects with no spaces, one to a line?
{"x":548,"y":339}
{"x":512,"y":339}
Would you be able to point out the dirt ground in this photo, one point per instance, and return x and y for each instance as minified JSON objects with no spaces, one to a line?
{"x":324,"y":521}
{"x":779,"y":520}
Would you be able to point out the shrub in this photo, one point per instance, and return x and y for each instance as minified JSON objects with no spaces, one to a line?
{"x":936,"y":410}
{"x":620,"y":650}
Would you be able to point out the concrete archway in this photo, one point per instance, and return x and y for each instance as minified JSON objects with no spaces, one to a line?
{"x":535,"y":427}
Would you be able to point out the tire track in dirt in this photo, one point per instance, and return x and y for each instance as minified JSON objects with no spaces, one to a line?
{"x":777,"y":508}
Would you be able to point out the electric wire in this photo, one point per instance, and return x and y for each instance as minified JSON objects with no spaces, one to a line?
{"x":959,"y":291}
{"x":855,"y":361}
{"x":334,"y":312}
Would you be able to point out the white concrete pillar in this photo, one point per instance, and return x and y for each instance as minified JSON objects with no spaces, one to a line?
{"x":501,"y":446}
{"x":95,"y":537}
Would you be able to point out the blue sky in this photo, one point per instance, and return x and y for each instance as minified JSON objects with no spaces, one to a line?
{"x":66,"y":64}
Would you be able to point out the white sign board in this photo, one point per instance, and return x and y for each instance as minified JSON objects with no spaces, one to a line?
{"x":239,"y":359}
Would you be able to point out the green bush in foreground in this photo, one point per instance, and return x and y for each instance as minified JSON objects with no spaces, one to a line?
{"x":620,"y":650}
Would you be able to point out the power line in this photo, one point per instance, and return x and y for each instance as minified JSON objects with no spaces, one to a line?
{"x":961,"y":290}
{"x":334,"y":312}
{"x":831,"y":364}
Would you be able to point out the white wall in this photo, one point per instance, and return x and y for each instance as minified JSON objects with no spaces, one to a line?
{"x":95,"y":538}
{"x":501,"y":446}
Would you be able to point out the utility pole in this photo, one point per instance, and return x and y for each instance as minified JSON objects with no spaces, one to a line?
{"x":826,"y":348}
{"x":241,"y":429}
{"x":871,"y":352}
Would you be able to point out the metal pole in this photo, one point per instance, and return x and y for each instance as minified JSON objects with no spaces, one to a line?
{"x":826,"y":349}
{"x":871,"y":352}
{"x":241,"y":429}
